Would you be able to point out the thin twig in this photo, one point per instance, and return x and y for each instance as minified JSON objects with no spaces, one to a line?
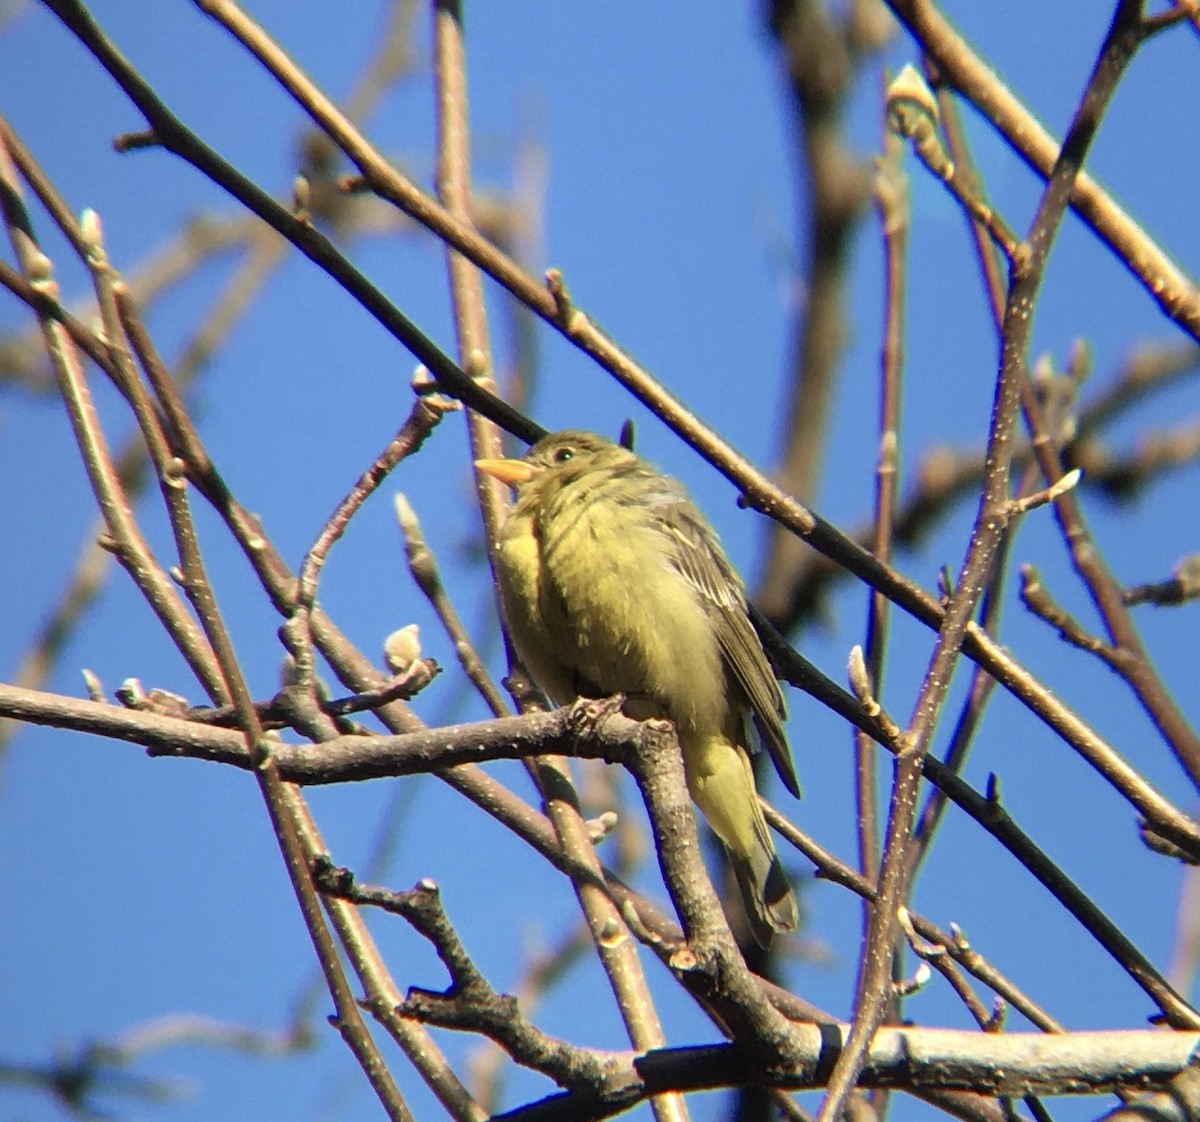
{"x":891,"y":195}
{"x":1127,"y":654}
{"x":759,"y":492}
{"x":820,"y":57}
{"x":1163,"y":281}
{"x":294,"y":828}
{"x":833,"y":869}
{"x":892,"y":201}
{"x":168,"y":132}
{"x":615,"y":946}
{"x":427,"y":412}
{"x":991,"y":521}
{"x":423,"y":566}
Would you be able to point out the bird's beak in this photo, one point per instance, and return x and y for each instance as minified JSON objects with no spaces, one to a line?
{"x":512,"y":472}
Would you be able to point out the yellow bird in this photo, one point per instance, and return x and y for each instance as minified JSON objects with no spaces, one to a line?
{"x":613,"y":582}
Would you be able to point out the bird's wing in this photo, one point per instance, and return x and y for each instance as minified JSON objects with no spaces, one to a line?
{"x":698,"y":557}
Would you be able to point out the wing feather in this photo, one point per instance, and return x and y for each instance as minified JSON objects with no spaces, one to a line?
{"x":699,"y":558}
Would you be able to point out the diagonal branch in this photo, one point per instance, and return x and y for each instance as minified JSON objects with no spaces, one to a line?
{"x":995,"y":511}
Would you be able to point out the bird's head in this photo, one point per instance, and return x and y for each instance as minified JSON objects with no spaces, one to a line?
{"x":557,"y":460}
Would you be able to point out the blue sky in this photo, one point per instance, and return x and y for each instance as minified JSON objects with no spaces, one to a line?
{"x":140,"y":888}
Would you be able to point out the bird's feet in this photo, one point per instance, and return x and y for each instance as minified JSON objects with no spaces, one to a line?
{"x":587,"y":713}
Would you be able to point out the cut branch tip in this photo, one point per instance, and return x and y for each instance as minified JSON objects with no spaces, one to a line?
{"x":133,"y":141}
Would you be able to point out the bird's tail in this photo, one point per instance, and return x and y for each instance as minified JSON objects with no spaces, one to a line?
{"x":768,"y":898}
{"x":722,"y":785}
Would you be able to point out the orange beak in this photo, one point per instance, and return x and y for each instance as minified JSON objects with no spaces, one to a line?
{"x":512,"y":472}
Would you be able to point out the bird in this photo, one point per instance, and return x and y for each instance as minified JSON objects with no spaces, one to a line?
{"x":613,"y":582}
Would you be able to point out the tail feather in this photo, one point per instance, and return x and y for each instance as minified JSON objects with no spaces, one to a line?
{"x":767,"y":897}
{"x":722,"y":785}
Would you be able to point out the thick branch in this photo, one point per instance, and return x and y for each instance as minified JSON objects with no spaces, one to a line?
{"x":923,"y":1060}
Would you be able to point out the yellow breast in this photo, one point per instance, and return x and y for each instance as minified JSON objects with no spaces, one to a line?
{"x":595,"y":605}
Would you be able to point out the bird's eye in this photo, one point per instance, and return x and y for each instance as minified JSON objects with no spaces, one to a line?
{"x":562,"y":455}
